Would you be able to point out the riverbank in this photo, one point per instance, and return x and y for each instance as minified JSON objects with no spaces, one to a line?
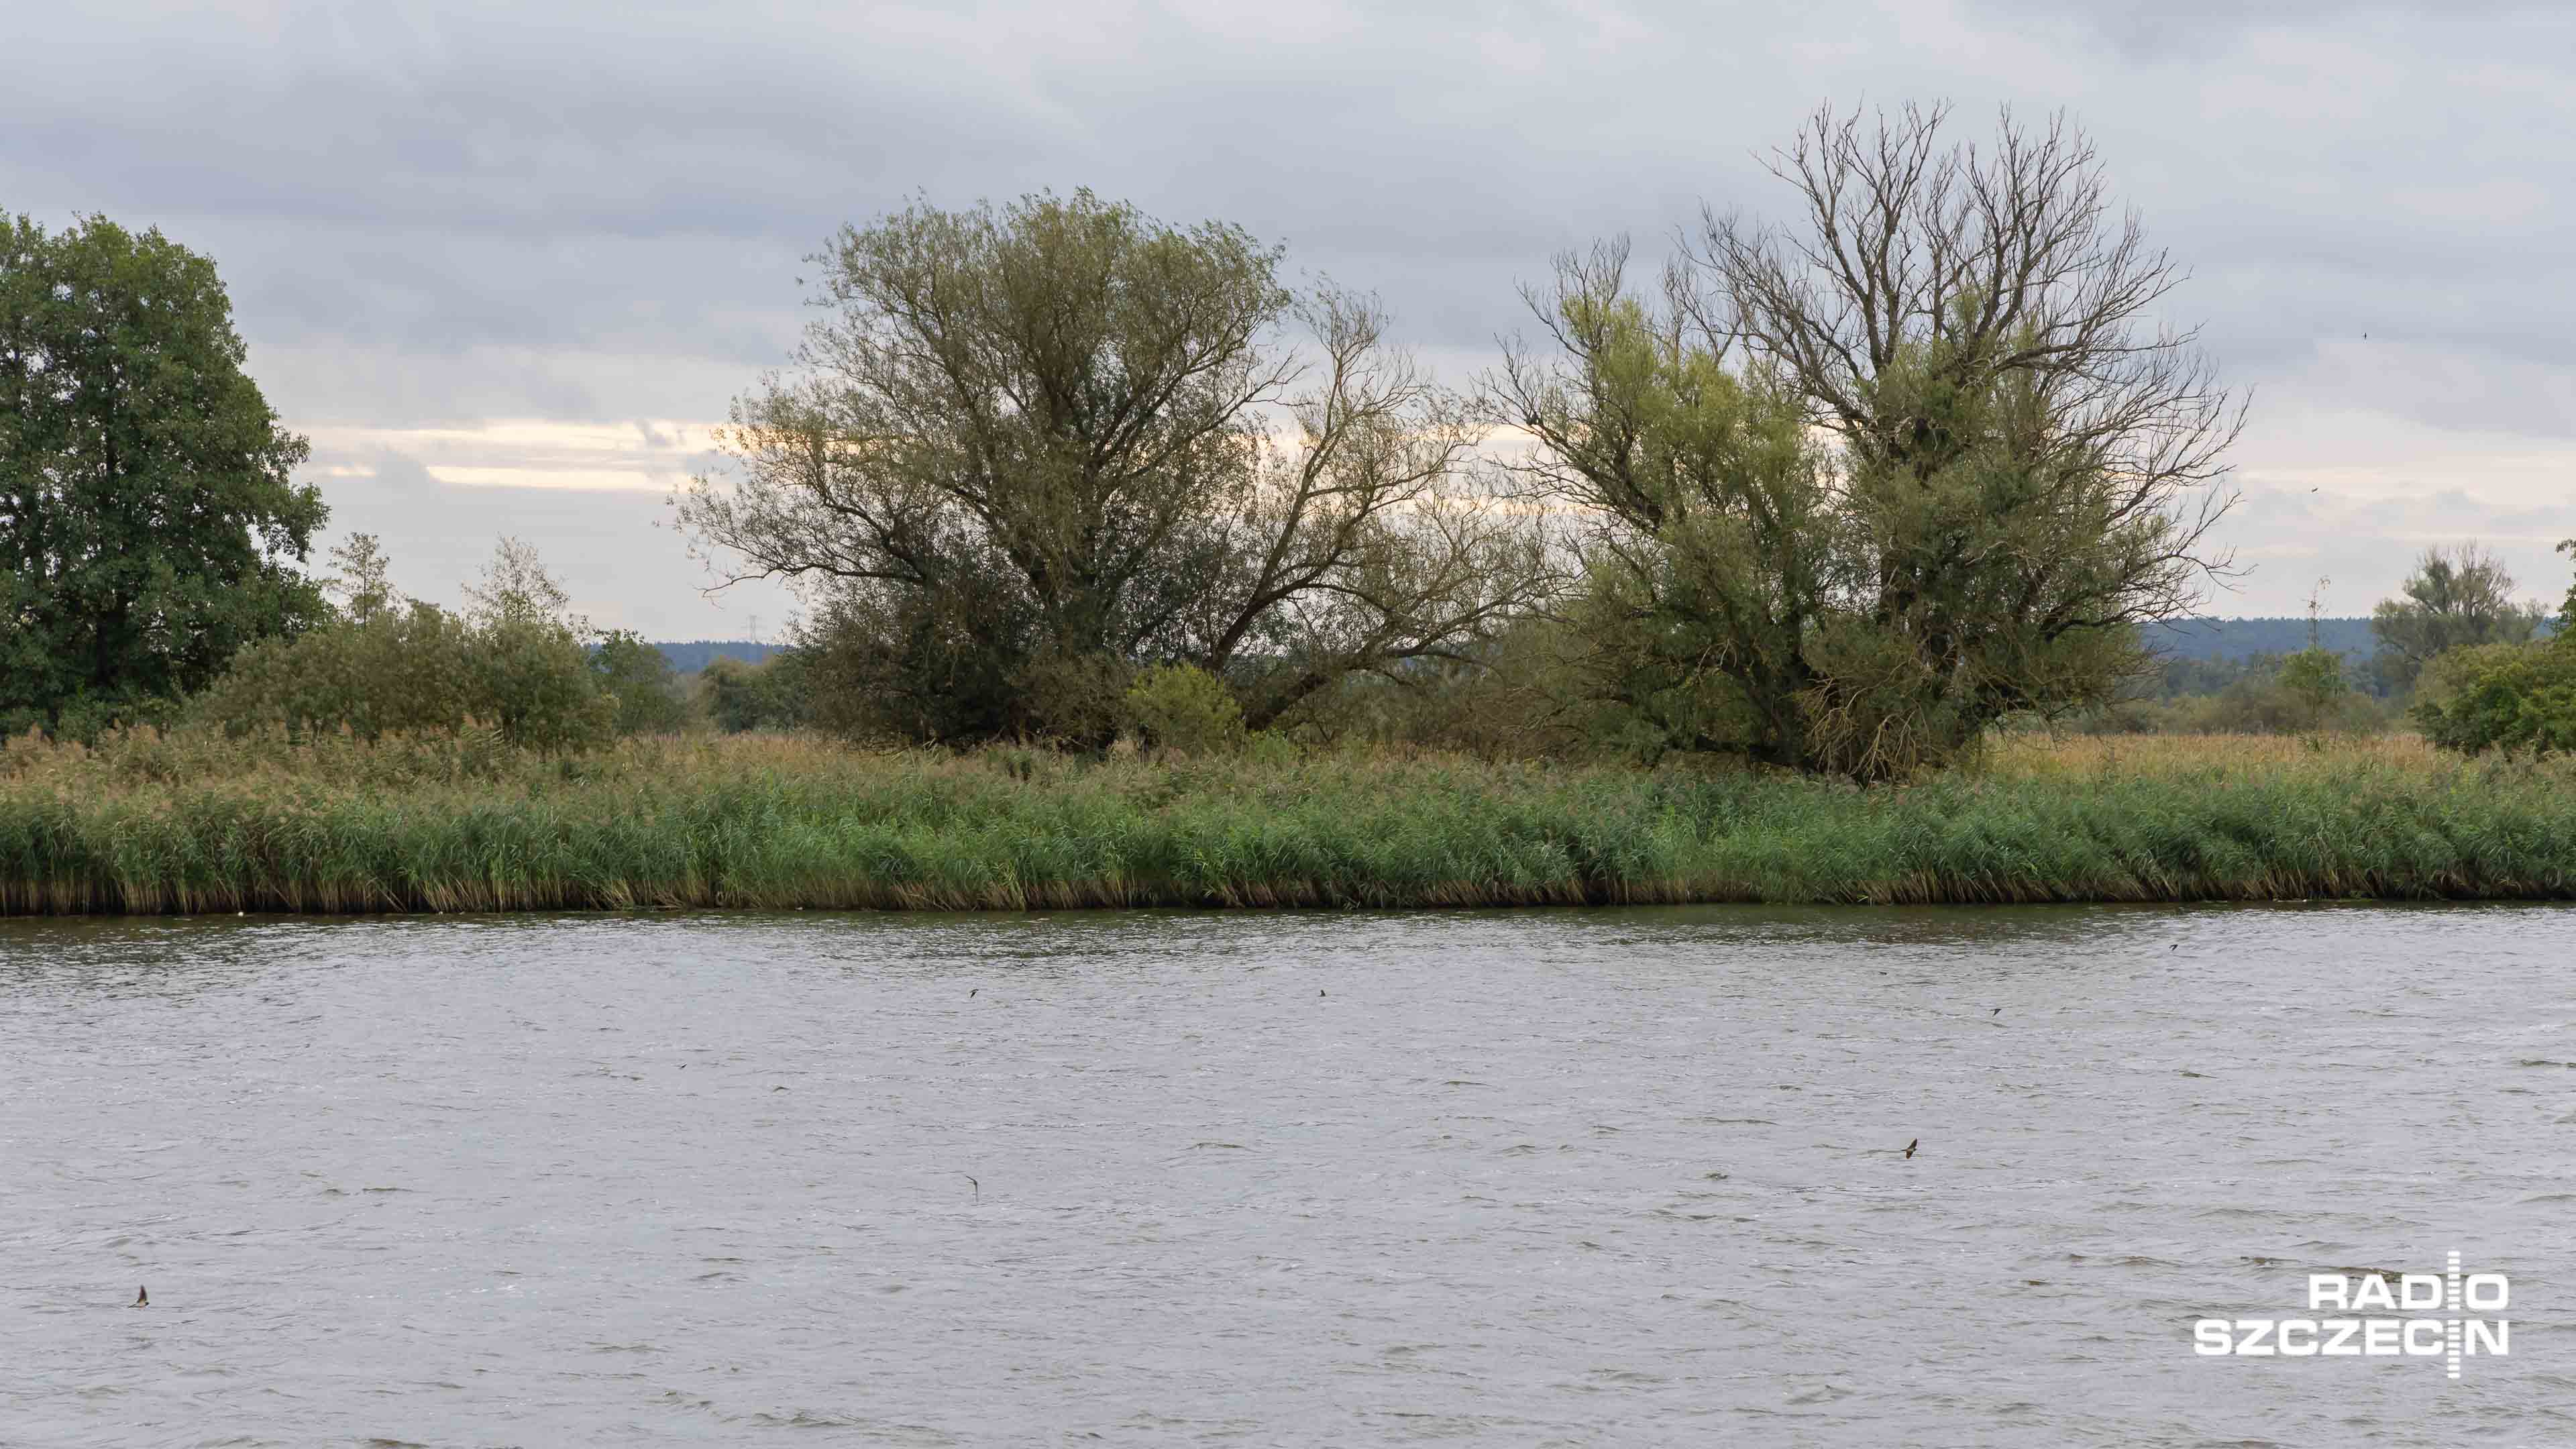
{"x":189,"y":825}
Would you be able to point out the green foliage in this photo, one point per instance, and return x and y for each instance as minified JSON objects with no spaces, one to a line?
{"x":417,"y":668}
{"x":1270,"y":750}
{"x":770,"y":695}
{"x":391,"y":666}
{"x":1523,"y":697}
{"x":2314,"y":677}
{"x":1036,"y":446}
{"x":2512,"y":698}
{"x":1868,"y":611}
{"x":367,"y":589}
{"x":533,"y":679}
{"x":640,"y":678}
{"x":157,"y":823}
{"x":147,"y":516}
{"x":396,"y":669}
{"x":2250,"y":696}
{"x":2219,"y":640}
{"x":515,"y":587}
{"x":2457,"y":598}
{"x":1182,"y":707}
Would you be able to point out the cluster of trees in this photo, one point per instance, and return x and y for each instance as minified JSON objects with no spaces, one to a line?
{"x":2460,"y":600}
{"x":153,"y":540}
{"x":2486,"y":684}
{"x":515,"y":659}
{"x":1836,"y":496}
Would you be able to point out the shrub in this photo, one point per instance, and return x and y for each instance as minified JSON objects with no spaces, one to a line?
{"x":768,"y":696}
{"x":1182,"y":707}
{"x":392,"y":670}
{"x":640,"y":678}
{"x":533,"y":678}
{"x":417,"y":669}
{"x":2517,"y":698}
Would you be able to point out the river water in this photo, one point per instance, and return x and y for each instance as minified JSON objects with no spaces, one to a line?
{"x":1601,"y":1177}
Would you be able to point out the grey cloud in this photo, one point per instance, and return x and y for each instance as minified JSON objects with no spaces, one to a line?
{"x":595,"y":212}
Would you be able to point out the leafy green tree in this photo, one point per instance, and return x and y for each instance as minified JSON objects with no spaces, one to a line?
{"x":2314,"y":677}
{"x":2456,"y":598}
{"x":1709,"y":568}
{"x":2517,"y":698}
{"x":148,"y":521}
{"x":2030,"y":460}
{"x":516,"y":587}
{"x":1033,"y":448}
{"x":770,"y":695}
{"x":366,"y":589}
{"x":640,"y":678}
{"x":1858,"y":494}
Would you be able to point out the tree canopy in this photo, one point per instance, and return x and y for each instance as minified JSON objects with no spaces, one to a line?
{"x":149,"y":523}
{"x":1032,"y":448}
{"x":2457,"y":597}
{"x":1861,"y":487}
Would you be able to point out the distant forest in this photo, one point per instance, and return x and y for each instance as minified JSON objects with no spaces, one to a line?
{"x":2244,"y":638}
{"x":697,"y":654}
{"x":2177,"y":639}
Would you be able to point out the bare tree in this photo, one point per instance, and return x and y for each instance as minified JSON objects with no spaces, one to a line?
{"x":2004,"y":261}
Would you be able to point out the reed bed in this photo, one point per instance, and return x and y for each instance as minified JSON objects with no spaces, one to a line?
{"x":191,"y":824}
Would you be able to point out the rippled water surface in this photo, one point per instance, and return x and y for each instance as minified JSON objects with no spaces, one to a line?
{"x":1628,"y":1177}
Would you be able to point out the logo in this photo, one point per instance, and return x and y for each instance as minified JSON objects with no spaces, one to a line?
{"x":2393,"y":1332}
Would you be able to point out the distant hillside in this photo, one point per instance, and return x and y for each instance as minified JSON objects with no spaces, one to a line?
{"x":2241,"y":638}
{"x":695,"y":655}
{"x":2238,"y":638}
{"x":2176,"y":639}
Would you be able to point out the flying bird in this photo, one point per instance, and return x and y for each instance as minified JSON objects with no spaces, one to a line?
{"x":142,"y":1297}
{"x":1998,"y":1011}
{"x":1910,"y":1146}
{"x":971,"y":994}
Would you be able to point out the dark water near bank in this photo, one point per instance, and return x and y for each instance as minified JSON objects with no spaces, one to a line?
{"x":1543,"y":1178}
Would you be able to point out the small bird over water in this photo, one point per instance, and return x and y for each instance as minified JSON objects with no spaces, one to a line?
{"x":1910,"y":1146}
{"x":142,"y":1297}
{"x":1998,"y":1011}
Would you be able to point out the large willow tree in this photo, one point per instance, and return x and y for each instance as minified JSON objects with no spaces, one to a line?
{"x":1031,"y":448}
{"x":1864,"y":485}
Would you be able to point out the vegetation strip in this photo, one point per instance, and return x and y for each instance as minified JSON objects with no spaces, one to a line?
{"x":189,"y":824}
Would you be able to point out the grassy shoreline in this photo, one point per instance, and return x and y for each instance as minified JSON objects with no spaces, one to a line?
{"x":187,"y":825}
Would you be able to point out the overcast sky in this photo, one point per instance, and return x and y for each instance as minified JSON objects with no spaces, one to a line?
{"x":505,"y":263}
